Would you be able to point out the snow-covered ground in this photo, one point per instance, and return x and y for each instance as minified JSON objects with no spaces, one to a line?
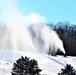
{"x":50,"y":65}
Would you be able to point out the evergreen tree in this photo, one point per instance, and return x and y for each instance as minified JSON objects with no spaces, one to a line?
{"x":25,"y":66}
{"x":68,"y":70}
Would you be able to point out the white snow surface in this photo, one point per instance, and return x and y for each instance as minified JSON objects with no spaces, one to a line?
{"x":50,"y":65}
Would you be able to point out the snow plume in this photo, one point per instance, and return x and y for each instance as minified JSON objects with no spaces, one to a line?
{"x":46,"y":39}
{"x":16,"y":35}
{"x":51,"y":40}
{"x":37,"y":38}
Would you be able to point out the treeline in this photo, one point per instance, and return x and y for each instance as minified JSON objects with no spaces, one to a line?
{"x":67,"y":33}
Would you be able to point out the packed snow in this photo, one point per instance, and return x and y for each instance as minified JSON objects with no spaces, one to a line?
{"x":50,"y":65}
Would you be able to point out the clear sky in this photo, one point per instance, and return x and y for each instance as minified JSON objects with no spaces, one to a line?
{"x":50,"y":10}
{"x":53,"y":10}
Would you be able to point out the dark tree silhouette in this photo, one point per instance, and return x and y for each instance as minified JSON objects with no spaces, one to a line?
{"x":68,"y":70}
{"x":67,"y":33}
{"x":25,"y":66}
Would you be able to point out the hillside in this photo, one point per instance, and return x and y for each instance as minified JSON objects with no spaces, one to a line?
{"x":49,"y":64}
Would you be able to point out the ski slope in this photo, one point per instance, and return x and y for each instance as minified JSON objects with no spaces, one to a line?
{"x":50,"y":65}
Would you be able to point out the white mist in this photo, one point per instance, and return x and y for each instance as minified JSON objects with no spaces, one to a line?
{"x":17,"y":36}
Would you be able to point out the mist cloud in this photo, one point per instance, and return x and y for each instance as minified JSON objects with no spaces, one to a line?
{"x":11,"y":15}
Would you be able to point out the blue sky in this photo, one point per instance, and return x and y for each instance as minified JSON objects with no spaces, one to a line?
{"x":53,"y":10}
{"x":38,"y":10}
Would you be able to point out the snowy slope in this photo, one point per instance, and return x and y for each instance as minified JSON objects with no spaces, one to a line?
{"x":50,"y":65}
